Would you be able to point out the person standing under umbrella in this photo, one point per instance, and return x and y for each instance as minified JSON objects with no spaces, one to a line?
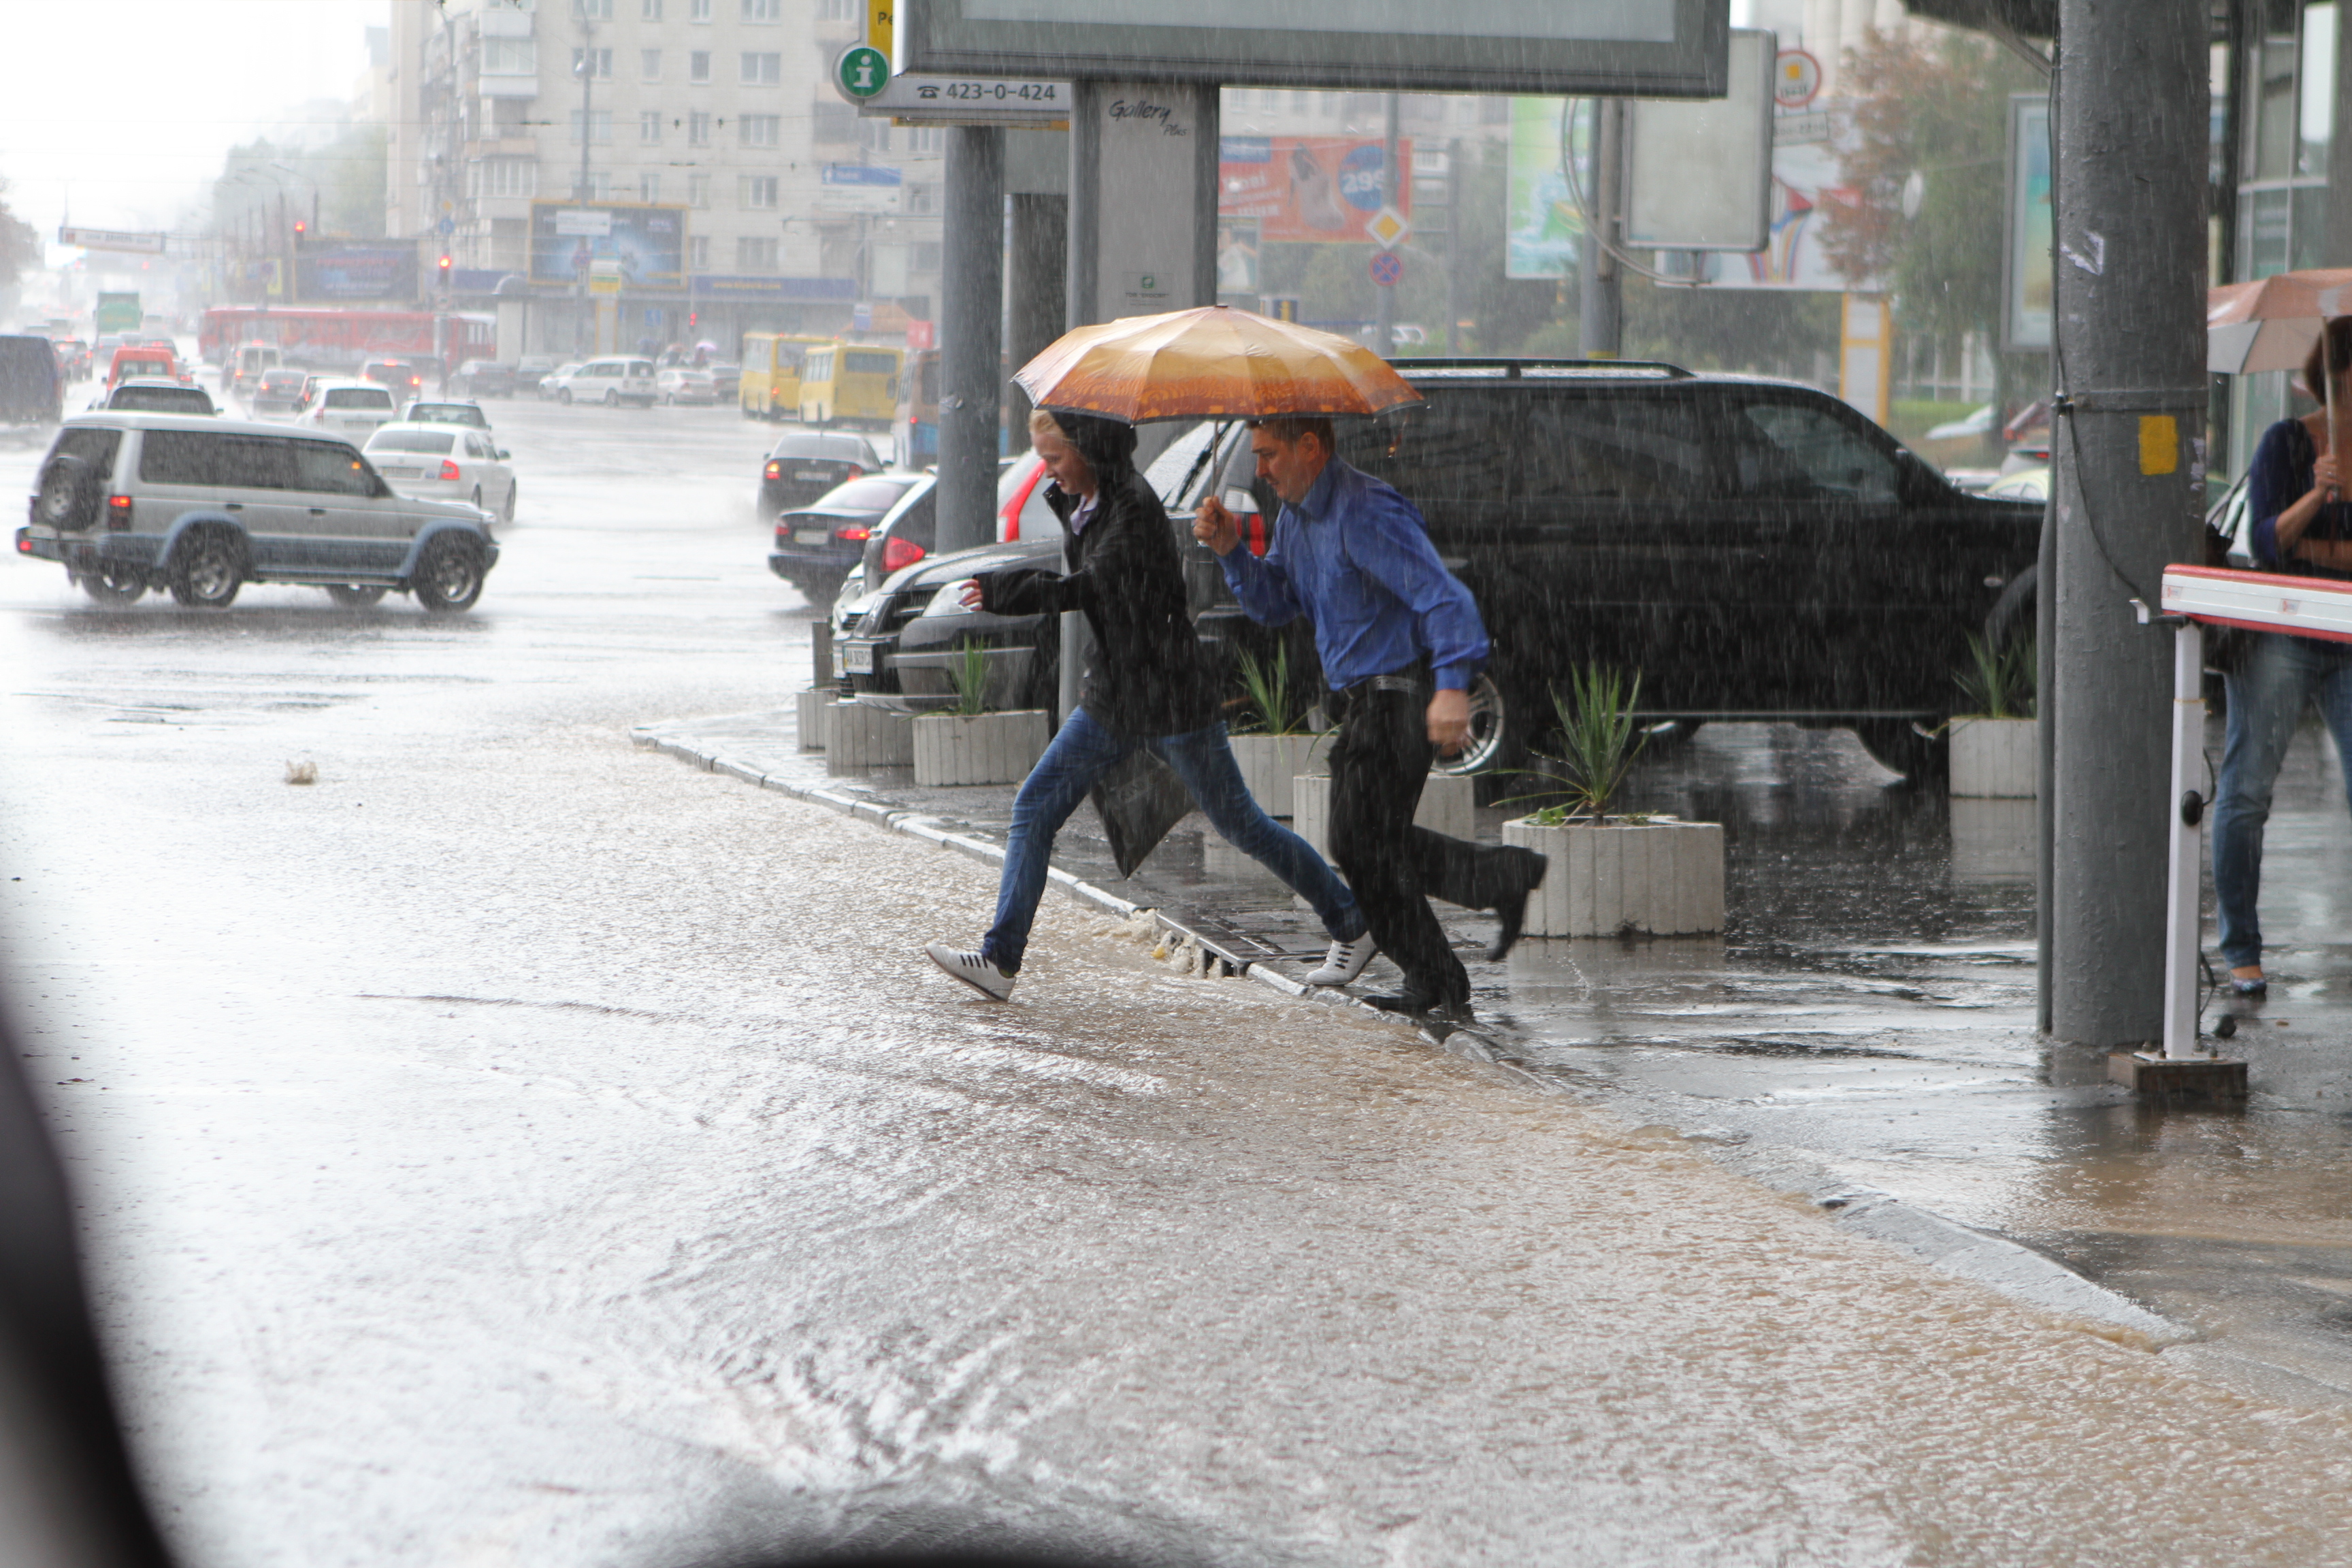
{"x":2301,"y":526}
{"x":1148,"y":685}
{"x":1400,"y":641}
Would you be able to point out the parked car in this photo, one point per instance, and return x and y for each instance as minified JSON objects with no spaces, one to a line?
{"x":611,"y":382}
{"x":159,"y":397}
{"x":32,"y":386}
{"x":347,"y":407}
{"x":445,"y":462}
{"x":404,"y":380}
{"x":684,"y":384}
{"x":1020,"y":509}
{"x":246,"y":364}
{"x":278,"y":394}
{"x":483,"y":378}
{"x":128,"y":501}
{"x":726,"y":379}
{"x":444,"y":412}
{"x":819,"y":544}
{"x":555,"y":377}
{"x":806,"y":464}
{"x":2026,"y":484}
{"x":900,"y":643}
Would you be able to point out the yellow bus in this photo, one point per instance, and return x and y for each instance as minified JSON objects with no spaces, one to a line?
{"x":850,"y":384}
{"x":770,"y":387}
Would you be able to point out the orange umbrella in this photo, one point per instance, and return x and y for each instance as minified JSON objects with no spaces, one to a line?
{"x":2271,"y":323}
{"x":1214,"y":363}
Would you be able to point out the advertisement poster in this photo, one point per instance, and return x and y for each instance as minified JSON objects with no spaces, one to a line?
{"x":1308,"y":187}
{"x":327,"y":275}
{"x":1237,"y":242}
{"x":648,"y":243}
{"x":1541,"y":216}
{"x":1807,"y":186}
{"x":2026,"y":281}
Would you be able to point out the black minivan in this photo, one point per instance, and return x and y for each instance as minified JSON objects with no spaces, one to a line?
{"x":32,"y":387}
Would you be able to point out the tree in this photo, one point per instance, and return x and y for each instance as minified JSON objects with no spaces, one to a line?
{"x":20,"y":245}
{"x":1934,"y":108}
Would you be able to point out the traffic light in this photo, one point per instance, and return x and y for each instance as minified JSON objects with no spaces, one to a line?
{"x":694,"y":318}
{"x":445,"y":269}
{"x":301,"y":228}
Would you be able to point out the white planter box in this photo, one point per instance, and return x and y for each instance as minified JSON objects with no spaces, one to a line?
{"x":1448,"y":805}
{"x":1995,"y":758}
{"x":811,"y":708}
{"x":1994,"y":840}
{"x":860,"y":736}
{"x":1268,"y":763}
{"x":1661,"y":878}
{"x":987,"y":749}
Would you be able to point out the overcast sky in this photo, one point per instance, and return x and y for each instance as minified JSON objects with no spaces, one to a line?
{"x":121,"y":110}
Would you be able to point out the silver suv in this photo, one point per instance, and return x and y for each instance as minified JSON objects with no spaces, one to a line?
{"x":130,"y":501}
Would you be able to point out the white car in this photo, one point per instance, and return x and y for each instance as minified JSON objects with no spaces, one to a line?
{"x":352,"y":408}
{"x":445,"y":462}
{"x":611,"y":382}
{"x":683,"y":384}
{"x":557,"y":377}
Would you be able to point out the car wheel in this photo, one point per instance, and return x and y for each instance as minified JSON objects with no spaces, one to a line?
{"x":563,"y":395}
{"x":1897,"y":745}
{"x":115,"y":585}
{"x":612,"y":398}
{"x":207,"y":569}
{"x":448,"y":576}
{"x":1502,"y":723}
{"x":507,"y":513}
{"x":357,"y":596}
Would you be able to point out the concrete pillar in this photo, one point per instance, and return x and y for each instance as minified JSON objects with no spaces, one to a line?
{"x":2131,"y":108}
{"x":1039,"y":286}
{"x":972,"y":304}
{"x":1600,"y":310}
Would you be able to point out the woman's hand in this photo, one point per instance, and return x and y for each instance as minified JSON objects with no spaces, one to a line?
{"x":971,"y":595}
{"x":2326,"y":478}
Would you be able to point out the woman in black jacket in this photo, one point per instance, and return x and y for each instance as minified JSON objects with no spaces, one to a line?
{"x":1149,"y":684}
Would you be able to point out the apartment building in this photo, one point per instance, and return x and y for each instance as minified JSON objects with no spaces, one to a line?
{"x":721,"y":107}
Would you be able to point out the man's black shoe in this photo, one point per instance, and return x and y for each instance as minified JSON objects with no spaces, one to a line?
{"x":1511,"y":908}
{"x":1423,"y":1004}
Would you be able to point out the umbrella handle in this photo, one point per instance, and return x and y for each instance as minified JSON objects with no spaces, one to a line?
{"x":2328,"y":373}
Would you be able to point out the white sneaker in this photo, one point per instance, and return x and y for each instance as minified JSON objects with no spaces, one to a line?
{"x":1345,"y":961}
{"x":973,"y":970}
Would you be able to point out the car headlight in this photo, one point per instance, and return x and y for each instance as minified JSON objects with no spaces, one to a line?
{"x":948,"y":601}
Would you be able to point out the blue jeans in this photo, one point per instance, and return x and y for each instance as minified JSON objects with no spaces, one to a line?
{"x":1081,"y":752}
{"x":2267,"y":695}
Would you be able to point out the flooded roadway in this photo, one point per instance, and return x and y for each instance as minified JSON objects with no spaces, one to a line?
{"x":516,"y":1147}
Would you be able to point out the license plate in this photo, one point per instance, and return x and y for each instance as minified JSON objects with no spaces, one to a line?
{"x":858,"y":658}
{"x":810,"y":474}
{"x":398,"y":473}
{"x":812,"y":536}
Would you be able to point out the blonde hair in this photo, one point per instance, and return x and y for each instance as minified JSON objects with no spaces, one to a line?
{"x":1044,"y":424}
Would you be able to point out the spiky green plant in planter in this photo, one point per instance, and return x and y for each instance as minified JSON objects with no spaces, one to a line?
{"x":1599,"y":741}
{"x":1998,"y":682}
{"x":1267,"y":685}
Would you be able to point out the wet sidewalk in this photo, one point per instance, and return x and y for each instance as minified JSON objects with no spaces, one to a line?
{"x":1863,"y":1026}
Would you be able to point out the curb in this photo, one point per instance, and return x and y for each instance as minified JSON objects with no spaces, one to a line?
{"x":2009,"y":1267}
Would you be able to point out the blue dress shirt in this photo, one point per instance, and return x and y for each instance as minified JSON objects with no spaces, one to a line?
{"x":1354,"y":557}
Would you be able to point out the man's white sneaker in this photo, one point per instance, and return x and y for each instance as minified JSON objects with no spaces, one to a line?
{"x":1345,"y":961}
{"x":973,"y":970}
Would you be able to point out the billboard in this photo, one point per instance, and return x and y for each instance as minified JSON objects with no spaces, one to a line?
{"x":328,"y":273}
{"x":1808,"y":181}
{"x":1636,"y":48}
{"x":1542,"y":222}
{"x":2026,"y":235}
{"x":648,"y":243}
{"x":1308,"y":187}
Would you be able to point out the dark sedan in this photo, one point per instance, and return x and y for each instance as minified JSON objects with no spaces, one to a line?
{"x":818,"y":546}
{"x":905,"y":636}
{"x":483,"y":378}
{"x":806,"y":464}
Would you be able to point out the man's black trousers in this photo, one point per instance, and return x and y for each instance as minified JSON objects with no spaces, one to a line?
{"x":1378,"y":765}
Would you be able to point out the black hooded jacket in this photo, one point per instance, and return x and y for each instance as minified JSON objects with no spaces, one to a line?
{"x":1149,"y":675}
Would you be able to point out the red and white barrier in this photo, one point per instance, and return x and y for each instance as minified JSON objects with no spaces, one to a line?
{"x":2199,"y":596}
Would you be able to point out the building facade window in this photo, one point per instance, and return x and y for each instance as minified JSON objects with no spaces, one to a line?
{"x":760,"y":129}
{"x":698,"y":10}
{"x":600,"y":63}
{"x":697,"y":129}
{"x":593,"y":10}
{"x":835,"y":122}
{"x":600,"y":186}
{"x":509,"y":177}
{"x":698,"y":190}
{"x":759,"y":192}
{"x":649,"y":10}
{"x":649,"y":128}
{"x":763,"y":10}
{"x":649,"y":65}
{"x":836,"y":10}
{"x":698,"y":66}
{"x":756,"y":254}
{"x":698,"y":252}
{"x":762,"y":68}
{"x":649,"y":187}
{"x":509,"y":56}
{"x":600,"y":125}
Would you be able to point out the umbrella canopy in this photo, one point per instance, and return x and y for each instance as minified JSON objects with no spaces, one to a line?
{"x":1214,"y":363}
{"x":2271,"y":323}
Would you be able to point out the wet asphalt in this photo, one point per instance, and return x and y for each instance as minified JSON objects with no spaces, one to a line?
{"x":515,"y":1146}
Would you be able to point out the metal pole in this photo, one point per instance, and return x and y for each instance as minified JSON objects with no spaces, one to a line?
{"x":1384,"y":294}
{"x":580,"y":195}
{"x":2132,"y":103}
{"x":971,"y":317}
{"x":1452,"y":244}
{"x":2185,"y":862}
{"x":1600,"y":308}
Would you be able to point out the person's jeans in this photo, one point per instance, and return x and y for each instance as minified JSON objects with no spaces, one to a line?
{"x":2267,"y":695}
{"x":1081,"y":752}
